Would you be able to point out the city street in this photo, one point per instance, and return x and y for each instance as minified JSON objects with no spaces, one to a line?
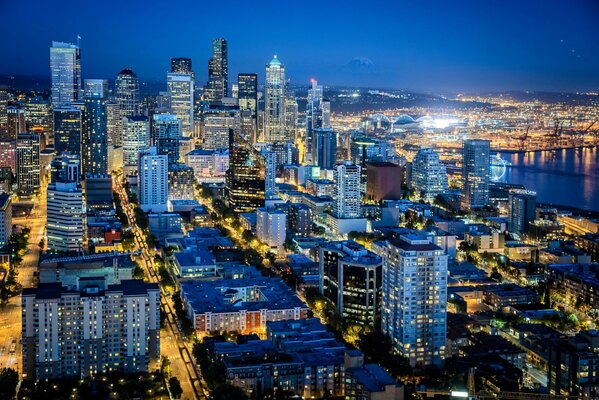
{"x":171,"y":340}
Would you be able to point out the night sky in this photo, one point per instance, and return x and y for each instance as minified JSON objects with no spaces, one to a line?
{"x":453,"y":45}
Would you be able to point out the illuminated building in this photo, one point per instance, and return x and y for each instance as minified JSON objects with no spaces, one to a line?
{"x":167,"y":133}
{"x":127,"y":93}
{"x":94,"y":143}
{"x":429,"y":176}
{"x":217,"y":86}
{"x":475,"y":173}
{"x":248,"y":100}
{"x":68,"y":128}
{"x":208,"y":165}
{"x":152,"y":183}
{"x":414,"y":298}
{"x":216,"y":124}
{"x":180,"y":182}
{"x":351,"y":278}
{"x":325,"y":148}
{"x":28,"y":162}
{"x":15,"y":122}
{"x":274,"y":102}
{"x":348,"y":199}
{"x":8,"y":154}
{"x":136,"y":140}
{"x":65,"y":67}
{"x":180,"y":90}
{"x":291,"y":116}
{"x":5,"y":218}
{"x":38,"y":113}
{"x":318,"y":115}
{"x":271,"y":227}
{"x":523,"y":210}
{"x":181,"y":65}
{"x":245,"y":180}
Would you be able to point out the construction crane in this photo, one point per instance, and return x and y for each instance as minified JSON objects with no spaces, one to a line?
{"x":523,"y":139}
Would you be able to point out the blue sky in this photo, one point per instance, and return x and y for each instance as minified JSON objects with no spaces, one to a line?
{"x":457,"y":45}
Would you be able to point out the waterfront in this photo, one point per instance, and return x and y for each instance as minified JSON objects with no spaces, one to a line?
{"x":566,"y":177}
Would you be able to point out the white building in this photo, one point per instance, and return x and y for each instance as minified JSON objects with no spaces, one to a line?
{"x":65,"y":67}
{"x":180,"y":90}
{"x":65,"y":216}
{"x":96,"y":329}
{"x":414,"y":298}
{"x":429,"y":175}
{"x":208,"y":165}
{"x":271,"y":227}
{"x":274,"y":102}
{"x":348,"y":199}
{"x":216,"y":127}
{"x":136,"y":140}
{"x":153,"y":181}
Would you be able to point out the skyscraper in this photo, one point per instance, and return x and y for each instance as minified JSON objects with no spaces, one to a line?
{"x":245,"y":179}
{"x":94,"y":144}
{"x":180,"y":90}
{"x":216,"y":124}
{"x":414,"y":297}
{"x":248,"y":101}
{"x":65,"y":210}
{"x":217,"y":86}
{"x":325,"y":148}
{"x":136,"y":139}
{"x":181,"y":65}
{"x":348,"y":198}
{"x":270,"y":172}
{"x":127,"y":92}
{"x":15,"y":122}
{"x":153,"y":181}
{"x":65,"y":67}
{"x":167,"y":133}
{"x":28,"y":162}
{"x":475,"y":173}
{"x":523,"y":209}
{"x":318,"y":115}
{"x":68,"y":128}
{"x":429,"y":176}
{"x":274,"y":102}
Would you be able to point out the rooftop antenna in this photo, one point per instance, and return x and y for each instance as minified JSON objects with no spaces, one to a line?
{"x":78,"y":39}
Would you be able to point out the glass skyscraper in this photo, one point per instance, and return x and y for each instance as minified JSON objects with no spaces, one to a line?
{"x":274,"y":102}
{"x":245,"y":180}
{"x":127,"y":92}
{"x":217,"y":86}
{"x":167,"y":133}
{"x":476,"y":167}
{"x":180,"y":90}
{"x":65,"y":66}
{"x":318,"y":115}
{"x":68,"y":127}
{"x":95,"y":136}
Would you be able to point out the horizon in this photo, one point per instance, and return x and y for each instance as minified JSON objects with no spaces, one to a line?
{"x":461,"y":47}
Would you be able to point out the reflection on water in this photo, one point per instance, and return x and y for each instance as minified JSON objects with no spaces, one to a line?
{"x":566,"y":177}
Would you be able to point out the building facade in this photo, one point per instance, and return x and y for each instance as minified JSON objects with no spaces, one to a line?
{"x":65,"y":68}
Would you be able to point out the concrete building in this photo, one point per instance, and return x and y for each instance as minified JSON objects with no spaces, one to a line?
{"x":180,"y":182}
{"x":348,"y":198}
{"x":414,"y":298}
{"x":94,"y":329}
{"x":208,"y":165}
{"x":65,"y":213}
{"x":300,"y":219}
{"x":429,"y":176}
{"x":153,"y":181}
{"x":136,"y":140}
{"x":271,"y":227}
{"x":5,"y":219}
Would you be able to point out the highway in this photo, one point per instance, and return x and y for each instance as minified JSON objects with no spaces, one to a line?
{"x":183,"y":365}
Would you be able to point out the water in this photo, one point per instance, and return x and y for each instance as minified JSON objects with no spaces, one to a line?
{"x":565,"y":177}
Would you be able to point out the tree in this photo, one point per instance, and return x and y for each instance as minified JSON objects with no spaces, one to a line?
{"x":228,"y":392}
{"x":8,"y":383}
{"x":175,"y":387}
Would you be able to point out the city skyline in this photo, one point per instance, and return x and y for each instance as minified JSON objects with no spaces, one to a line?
{"x":431,"y":47}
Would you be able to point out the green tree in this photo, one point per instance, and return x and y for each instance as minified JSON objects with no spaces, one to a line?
{"x":228,"y":392}
{"x":175,"y":387}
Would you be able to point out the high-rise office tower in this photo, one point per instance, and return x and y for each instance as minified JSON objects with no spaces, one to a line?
{"x":153,"y":181}
{"x":348,"y":199}
{"x":38,"y":114}
{"x":217,"y":86}
{"x":94,"y":144}
{"x":15,"y":122}
{"x":248,"y":100}
{"x":274,"y":102}
{"x":126,"y":92}
{"x":325,"y":148}
{"x":167,"y":133}
{"x":114,"y":124}
{"x":136,"y":140}
{"x":270,"y":172}
{"x":180,"y":90}
{"x":93,"y":328}
{"x":65,"y":67}
{"x":429,"y":176}
{"x":8,"y":154}
{"x":291,"y":117}
{"x":414,"y":294}
{"x":351,"y":278}
{"x":181,"y":65}
{"x":216,"y":124}
{"x":523,"y":209}
{"x":383,"y":181}
{"x":65,"y":168}
{"x":245,"y":179}
{"x":5,"y":97}
{"x":318,"y":115}
{"x":475,"y":173}
{"x":68,"y":129}
{"x":28,"y":162}
{"x":180,"y":182}
{"x":65,"y":208}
